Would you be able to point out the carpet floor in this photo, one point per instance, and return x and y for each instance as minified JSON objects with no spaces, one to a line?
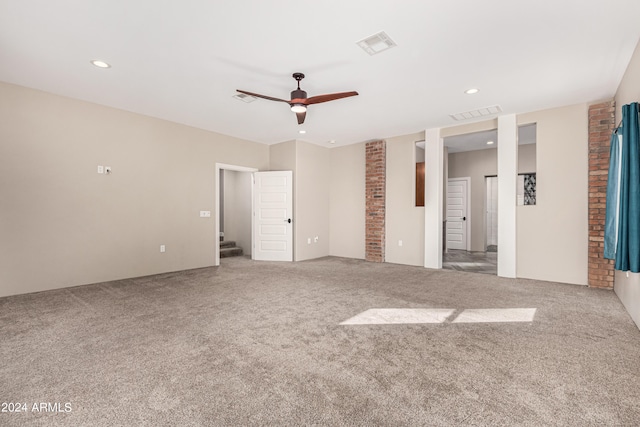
{"x":259,"y":343}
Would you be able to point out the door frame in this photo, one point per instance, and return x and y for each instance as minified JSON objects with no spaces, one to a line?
{"x":224,"y":166}
{"x":468,"y":220}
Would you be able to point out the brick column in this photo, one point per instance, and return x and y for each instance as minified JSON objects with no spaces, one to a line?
{"x":375,"y":188}
{"x":601,"y":124}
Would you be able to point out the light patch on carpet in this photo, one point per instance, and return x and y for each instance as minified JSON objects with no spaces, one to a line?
{"x":389,"y":316}
{"x":400,"y":316}
{"x":495,"y":315}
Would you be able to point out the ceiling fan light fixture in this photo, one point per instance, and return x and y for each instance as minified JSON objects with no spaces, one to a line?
{"x":298,"y":108}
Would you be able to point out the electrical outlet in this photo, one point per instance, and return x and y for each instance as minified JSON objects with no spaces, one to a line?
{"x":308,"y":240}
{"x":399,"y":242}
{"x":100,"y":169}
{"x":162,"y":248}
{"x":205,"y":214}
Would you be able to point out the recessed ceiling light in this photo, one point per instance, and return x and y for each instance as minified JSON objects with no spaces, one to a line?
{"x":490,"y":142}
{"x":302,"y":131}
{"x":471,"y":91}
{"x":100,"y":64}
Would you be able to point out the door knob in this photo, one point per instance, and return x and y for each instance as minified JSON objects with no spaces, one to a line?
{"x":464,"y":218}
{"x":288,"y":220}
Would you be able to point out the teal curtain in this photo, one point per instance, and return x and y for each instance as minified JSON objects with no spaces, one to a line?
{"x":627,"y":254}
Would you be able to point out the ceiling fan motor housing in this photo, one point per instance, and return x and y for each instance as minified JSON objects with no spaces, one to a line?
{"x":298,"y":94}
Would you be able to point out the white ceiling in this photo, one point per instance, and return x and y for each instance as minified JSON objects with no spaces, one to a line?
{"x":182,"y":61}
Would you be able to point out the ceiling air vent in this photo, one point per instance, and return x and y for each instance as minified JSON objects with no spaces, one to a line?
{"x":245,"y":98}
{"x":474,"y":114}
{"x":376,"y":43}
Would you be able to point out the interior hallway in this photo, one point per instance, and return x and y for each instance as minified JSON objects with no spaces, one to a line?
{"x":472,"y":262}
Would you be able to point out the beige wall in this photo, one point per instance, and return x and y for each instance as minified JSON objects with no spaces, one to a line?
{"x":62,"y":224}
{"x":552,"y":236}
{"x":237,"y":208}
{"x":310,"y":165}
{"x":347,"y":201}
{"x":404,"y":221}
{"x":527,"y":158}
{"x":282,"y":157}
{"x":312,"y":200}
{"x":628,"y":288}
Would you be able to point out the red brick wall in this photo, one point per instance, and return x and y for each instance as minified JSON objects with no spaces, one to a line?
{"x":375,"y":188}
{"x":601,"y":124}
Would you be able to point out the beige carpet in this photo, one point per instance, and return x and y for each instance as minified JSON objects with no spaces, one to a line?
{"x":254,"y":343}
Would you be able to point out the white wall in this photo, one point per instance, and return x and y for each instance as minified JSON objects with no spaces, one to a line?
{"x":347,"y":201}
{"x":552,"y":236}
{"x":62,"y":224}
{"x":404,"y":221}
{"x":237,"y":208}
{"x":507,"y":179}
{"x":628,"y":288}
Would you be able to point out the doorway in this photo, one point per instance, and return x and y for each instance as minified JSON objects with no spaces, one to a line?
{"x":470,"y":159}
{"x":271,"y":194}
{"x":237,"y":199}
{"x":235,"y":213}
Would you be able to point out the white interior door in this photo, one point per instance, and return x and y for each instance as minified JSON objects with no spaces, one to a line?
{"x":272,"y":213}
{"x":457,"y":213}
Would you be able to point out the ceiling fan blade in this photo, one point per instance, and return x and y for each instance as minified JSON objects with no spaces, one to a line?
{"x":301,"y":117}
{"x":257,"y":95}
{"x":329,"y":97}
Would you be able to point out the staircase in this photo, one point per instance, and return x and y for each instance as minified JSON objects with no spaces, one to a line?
{"x":229,"y":249}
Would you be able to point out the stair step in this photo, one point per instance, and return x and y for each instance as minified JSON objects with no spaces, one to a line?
{"x":227,"y":244}
{"x":229,"y":252}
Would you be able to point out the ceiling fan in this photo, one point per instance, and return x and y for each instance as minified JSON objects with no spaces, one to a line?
{"x":299,"y":100}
